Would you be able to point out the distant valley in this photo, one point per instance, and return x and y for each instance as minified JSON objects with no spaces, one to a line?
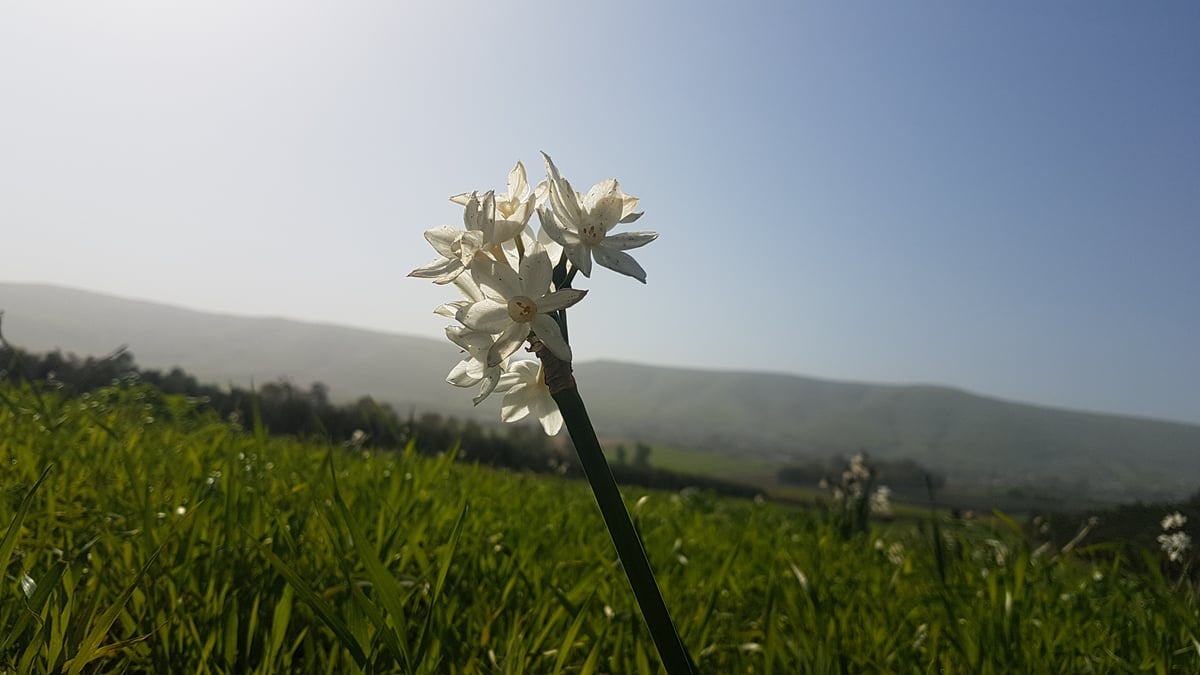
{"x":763,"y":416}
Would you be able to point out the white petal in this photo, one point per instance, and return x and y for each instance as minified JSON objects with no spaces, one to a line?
{"x":471,"y":214}
{"x":442,"y":239}
{"x":518,"y":187}
{"x":541,"y":193}
{"x":555,"y":231}
{"x":619,"y":261}
{"x":486,"y":315}
{"x":506,"y":230}
{"x":497,"y":280}
{"x":467,"y":286}
{"x":604,"y":203}
{"x":488,"y":385}
{"x":567,"y":297}
{"x":536,"y":271}
{"x":487,"y":218}
{"x":552,"y":421}
{"x":548,"y":332}
{"x":553,"y":248}
{"x":628,"y":204}
{"x":509,"y":341}
{"x":515,"y":406}
{"x":461,"y":376}
{"x":450,"y":309}
{"x":472,"y":341}
{"x":580,"y":256}
{"x":627,"y":240}
{"x":442,"y":270}
{"x":462,"y":198}
{"x":562,"y":197}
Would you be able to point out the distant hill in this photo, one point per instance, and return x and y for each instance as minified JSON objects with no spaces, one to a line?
{"x":779,"y":417}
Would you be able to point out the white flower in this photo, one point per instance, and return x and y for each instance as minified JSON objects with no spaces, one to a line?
{"x":859,"y":469}
{"x":516,"y":303}
{"x":581,"y":224}
{"x":459,"y":247}
{"x":470,"y":291}
{"x":527,"y":394}
{"x":881,"y":501}
{"x":474,"y":369}
{"x":1174,"y":521}
{"x":516,"y":205}
{"x":1175,"y":545}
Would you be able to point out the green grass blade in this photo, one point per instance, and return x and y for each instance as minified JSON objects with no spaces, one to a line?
{"x":14,"y":528}
{"x":423,"y":642}
{"x":90,"y":649}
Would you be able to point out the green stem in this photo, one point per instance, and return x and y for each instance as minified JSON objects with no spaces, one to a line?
{"x":671,"y":650}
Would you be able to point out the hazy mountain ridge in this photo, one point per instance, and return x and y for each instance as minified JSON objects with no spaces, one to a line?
{"x":760,"y":414}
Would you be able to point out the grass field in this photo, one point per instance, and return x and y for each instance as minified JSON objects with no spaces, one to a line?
{"x":140,"y":536}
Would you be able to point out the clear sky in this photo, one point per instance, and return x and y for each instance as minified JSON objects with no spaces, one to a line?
{"x":1003,"y":197}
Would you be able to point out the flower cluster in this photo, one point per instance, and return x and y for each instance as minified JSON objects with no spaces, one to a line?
{"x":1174,"y":543}
{"x":516,"y":284}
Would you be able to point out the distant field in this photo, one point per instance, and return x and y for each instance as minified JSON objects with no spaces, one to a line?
{"x":700,"y":462}
{"x":142,"y":537}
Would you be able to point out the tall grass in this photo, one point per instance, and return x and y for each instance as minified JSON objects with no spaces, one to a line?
{"x":142,"y":536}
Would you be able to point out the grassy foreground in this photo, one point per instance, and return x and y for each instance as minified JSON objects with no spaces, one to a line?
{"x":142,"y":536}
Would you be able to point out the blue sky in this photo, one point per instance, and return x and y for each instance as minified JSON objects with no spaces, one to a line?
{"x":1003,"y":197}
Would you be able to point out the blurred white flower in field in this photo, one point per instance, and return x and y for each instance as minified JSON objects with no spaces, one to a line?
{"x":1174,"y":521}
{"x":881,"y":501}
{"x":859,"y":468}
{"x":582,"y":223}
{"x":1175,"y":545}
{"x":526,"y":394}
{"x":28,"y":585}
{"x":920,"y":635}
{"x":895,"y":554}
{"x":517,"y":302}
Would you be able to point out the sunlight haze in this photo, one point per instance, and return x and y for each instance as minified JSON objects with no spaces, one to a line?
{"x":999,"y":197}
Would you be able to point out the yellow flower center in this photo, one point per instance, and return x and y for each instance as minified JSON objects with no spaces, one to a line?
{"x":522,"y":309}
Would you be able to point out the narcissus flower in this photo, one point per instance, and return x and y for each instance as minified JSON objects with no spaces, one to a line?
{"x":459,"y":247}
{"x":516,"y":205}
{"x":474,"y":369}
{"x":516,"y":303}
{"x":527,"y":394}
{"x":582,"y":223}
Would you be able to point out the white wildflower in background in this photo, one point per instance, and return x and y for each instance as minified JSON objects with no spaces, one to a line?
{"x":881,"y":501}
{"x":1175,"y":545}
{"x":895,"y":554}
{"x":859,"y":469}
{"x":28,"y":585}
{"x":1174,"y":521}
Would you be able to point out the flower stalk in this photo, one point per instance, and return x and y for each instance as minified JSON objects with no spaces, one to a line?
{"x":514,"y":293}
{"x":629,"y":547}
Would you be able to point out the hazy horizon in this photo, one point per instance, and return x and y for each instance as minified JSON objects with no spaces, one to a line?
{"x":1000,"y":199}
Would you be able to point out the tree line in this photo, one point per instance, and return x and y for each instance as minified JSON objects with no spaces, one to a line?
{"x":283,"y":408}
